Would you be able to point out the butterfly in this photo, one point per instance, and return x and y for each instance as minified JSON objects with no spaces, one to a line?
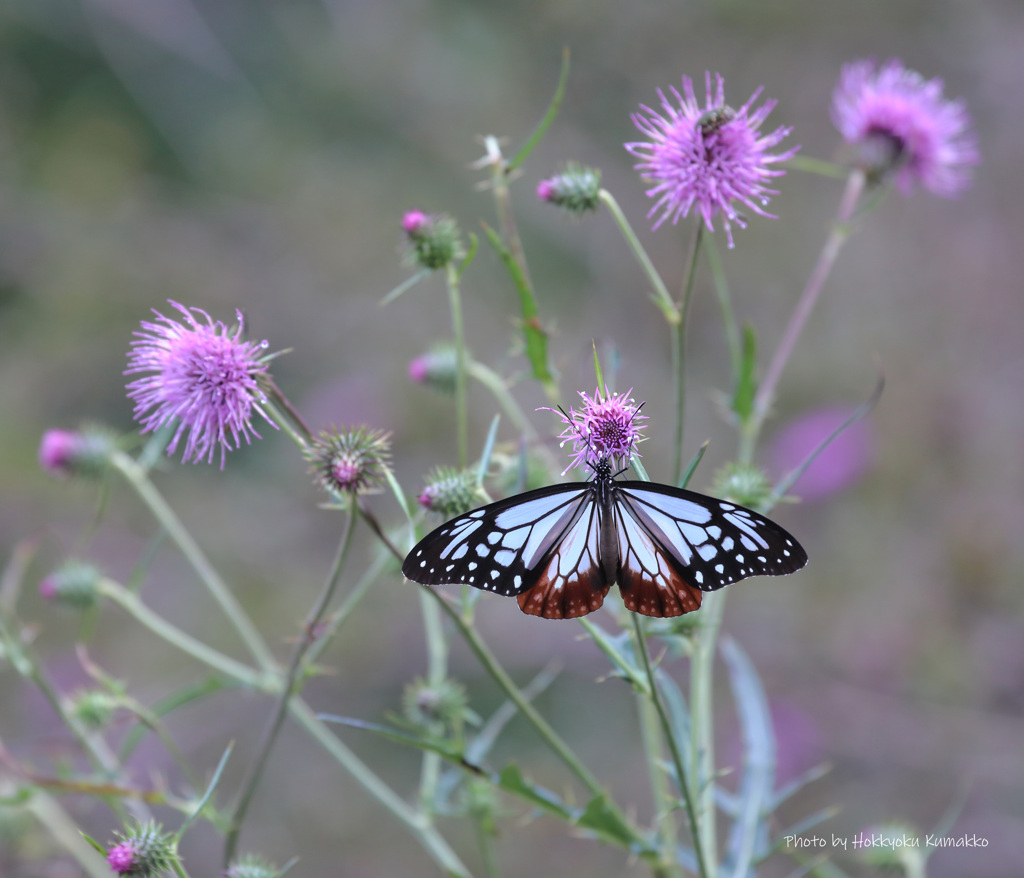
{"x":559,"y":549}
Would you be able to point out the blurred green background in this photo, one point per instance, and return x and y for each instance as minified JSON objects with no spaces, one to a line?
{"x":259,"y":155}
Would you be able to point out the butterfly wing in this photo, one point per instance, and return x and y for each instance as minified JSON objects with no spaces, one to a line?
{"x":541,"y":545}
{"x":675,"y":544}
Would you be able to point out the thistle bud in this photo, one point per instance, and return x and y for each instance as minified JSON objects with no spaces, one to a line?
{"x":425,"y":704}
{"x":252,"y":866}
{"x":73,"y":584}
{"x":436,"y":368}
{"x":742,"y":484}
{"x":85,"y":452}
{"x":576,"y":189}
{"x":434,"y":241}
{"x":450,"y":491}
{"x":92,"y":707}
{"x":146,"y":852}
{"x":352,"y":462}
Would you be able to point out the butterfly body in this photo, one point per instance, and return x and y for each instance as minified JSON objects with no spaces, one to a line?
{"x":559,"y":549}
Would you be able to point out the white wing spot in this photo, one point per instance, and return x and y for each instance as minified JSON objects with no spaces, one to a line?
{"x":739,"y":558}
{"x":518,"y":581}
{"x":472,"y":565}
{"x":495,"y":574}
{"x":476,"y":514}
{"x":728,"y":507}
{"x":504,"y":557}
{"x":727,"y":544}
{"x":785,"y":552}
{"x":493,"y":537}
{"x":715,"y":531}
{"x":423,"y":563}
{"x":515,"y":539}
{"x":707,"y":552}
{"x":698,"y":576}
{"x":449,"y":568}
{"x":482,"y":550}
{"x":719,"y":568}
{"x":460,"y":551}
{"x":762,"y":559}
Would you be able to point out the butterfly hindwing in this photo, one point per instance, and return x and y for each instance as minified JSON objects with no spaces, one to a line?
{"x":571,"y":582}
{"x":500,"y":547}
{"x":711,"y":542}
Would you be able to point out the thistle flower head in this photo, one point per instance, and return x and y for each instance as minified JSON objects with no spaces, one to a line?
{"x":204,"y":376}
{"x":576,"y":189}
{"x":904,"y":126}
{"x":349,"y":462}
{"x":708,"y":158}
{"x":85,"y":452}
{"x":449,"y":491}
{"x":605,"y":428}
{"x":146,"y":852}
{"x":434,"y":240}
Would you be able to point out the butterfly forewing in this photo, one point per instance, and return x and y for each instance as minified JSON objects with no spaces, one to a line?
{"x":711,"y":542}
{"x":499,"y":547}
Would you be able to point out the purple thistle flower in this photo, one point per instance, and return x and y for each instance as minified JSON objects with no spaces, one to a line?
{"x":121,"y":858}
{"x":603,"y":428}
{"x":902,"y":123}
{"x":205,"y":376}
{"x":709,"y":156}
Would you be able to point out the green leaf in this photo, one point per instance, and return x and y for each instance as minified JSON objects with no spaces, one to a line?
{"x":535,"y":338}
{"x":168,"y":704}
{"x":758,"y":778}
{"x":485,"y":457}
{"x":549,"y":116}
{"x":601,"y":818}
{"x":619,"y":650}
{"x":404,"y":286}
{"x":210,"y":787}
{"x":787,"y":481}
{"x":691,"y":467}
{"x":474,"y":243}
{"x":92,"y":841}
{"x":746,"y":381}
{"x":433,"y":745}
{"x":638,"y":467}
{"x":512,"y":781}
{"x":597,"y":368}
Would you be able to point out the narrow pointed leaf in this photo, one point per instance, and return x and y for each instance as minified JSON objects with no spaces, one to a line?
{"x":606,"y":821}
{"x":691,"y":467}
{"x":512,"y":781}
{"x":549,"y":116}
{"x":746,"y":380}
{"x":404,"y":286}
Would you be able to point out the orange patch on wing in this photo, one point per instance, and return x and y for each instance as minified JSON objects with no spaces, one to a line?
{"x":557,"y":599}
{"x":662,"y":596}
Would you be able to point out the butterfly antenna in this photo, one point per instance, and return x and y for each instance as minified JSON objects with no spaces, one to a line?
{"x":579,"y":432}
{"x":633,"y":441}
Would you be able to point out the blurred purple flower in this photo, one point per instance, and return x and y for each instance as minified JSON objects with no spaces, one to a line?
{"x":605,"y":427}
{"x":413,"y":221}
{"x":57,"y":451}
{"x":121,"y":858}
{"x":838,"y":466}
{"x":798,"y":743}
{"x":205,"y":377}
{"x":710,"y":156}
{"x":903,"y":123}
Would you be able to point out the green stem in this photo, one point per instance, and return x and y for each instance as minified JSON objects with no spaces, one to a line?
{"x":679,"y":353}
{"x":664,"y":802}
{"x":661,"y":295}
{"x":291,"y":684}
{"x":173,"y":635}
{"x":218,"y":589}
{"x":419,"y":825}
{"x":673,"y":747}
{"x":455,"y":304}
{"x":503,"y":204}
{"x":437,"y":671}
{"x":702,"y":742}
{"x":501,"y":677}
{"x":838,"y":235}
{"x":721,"y":285}
{"x":499,"y":390}
{"x":483,"y":837}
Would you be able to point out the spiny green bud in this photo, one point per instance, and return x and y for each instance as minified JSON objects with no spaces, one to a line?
{"x":742,"y":484}
{"x":893,"y":846}
{"x":349,"y":462}
{"x":436,"y":368}
{"x":92,"y":707}
{"x":252,"y":866}
{"x":73,"y":584}
{"x":83,"y":452}
{"x":450,"y":491}
{"x":434,"y":240}
{"x":576,"y":189}
{"x":146,"y":852}
{"x":425,"y":704}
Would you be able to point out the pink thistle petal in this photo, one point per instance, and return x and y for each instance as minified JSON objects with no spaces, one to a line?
{"x":707,"y":158}
{"x":203,"y":376}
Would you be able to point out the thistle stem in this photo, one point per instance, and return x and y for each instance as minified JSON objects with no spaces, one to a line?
{"x":838,"y":235}
{"x":216,"y":586}
{"x":679,"y":352}
{"x":455,"y":304}
{"x":673,"y":748}
{"x":289,"y":686}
